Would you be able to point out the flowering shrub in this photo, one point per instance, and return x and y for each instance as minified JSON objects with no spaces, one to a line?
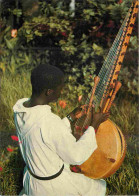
{"x":49,"y":34}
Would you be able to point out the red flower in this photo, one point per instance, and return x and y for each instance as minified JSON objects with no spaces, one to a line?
{"x":120,"y":1}
{"x":64,"y":34}
{"x":10,"y":150}
{"x":108,"y":39}
{"x":111,"y":24}
{"x":86,"y":127}
{"x":62,"y":103}
{"x":99,"y":34}
{"x":13,"y":33}
{"x":79,"y":98}
{"x":14,"y":137}
{"x":1,"y":168}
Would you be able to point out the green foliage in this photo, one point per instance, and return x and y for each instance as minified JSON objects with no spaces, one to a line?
{"x":129,"y":73}
{"x":50,"y":34}
{"x":118,"y":11}
{"x":11,"y":176}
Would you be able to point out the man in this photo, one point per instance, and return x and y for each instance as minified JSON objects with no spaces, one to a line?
{"x":47,"y":145}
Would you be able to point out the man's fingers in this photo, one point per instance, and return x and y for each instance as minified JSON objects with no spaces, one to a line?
{"x":106,"y":113}
{"x":105,"y":116}
{"x":100,"y":109}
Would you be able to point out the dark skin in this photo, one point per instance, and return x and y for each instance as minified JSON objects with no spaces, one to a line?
{"x":47,"y":96}
{"x":52,"y":95}
{"x":96,"y":118}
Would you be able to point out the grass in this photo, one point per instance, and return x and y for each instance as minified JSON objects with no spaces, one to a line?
{"x":12,"y":88}
{"x":11,"y":177}
{"x":125,"y":180}
{"x":124,"y":114}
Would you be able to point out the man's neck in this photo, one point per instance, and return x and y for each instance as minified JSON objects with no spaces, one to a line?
{"x":34,"y":101}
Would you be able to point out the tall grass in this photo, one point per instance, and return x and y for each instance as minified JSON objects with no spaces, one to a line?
{"x":124,"y":114}
{"x":13,"y":87}
{"x":125,"y":181}
{"x":11,"y":178}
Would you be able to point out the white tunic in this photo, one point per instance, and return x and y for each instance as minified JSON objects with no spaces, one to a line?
{"x":46,"y":143}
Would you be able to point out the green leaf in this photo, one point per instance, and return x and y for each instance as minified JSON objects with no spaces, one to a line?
{"x":2,"y":67}
{"x":28,"y":31}
{"x":9,"y":44}
{"x":134,"y":82}
{"x":98,"y":49}
{"x":134,"y":41}
{"x":17,"y":12}
{"x":38,"y":33}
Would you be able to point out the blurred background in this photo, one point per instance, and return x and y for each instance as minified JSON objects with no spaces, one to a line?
{"x":75,"y":36}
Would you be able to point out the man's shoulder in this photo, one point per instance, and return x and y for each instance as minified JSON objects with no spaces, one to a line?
{"x":54,"y":116}
{"x":50,"y":118}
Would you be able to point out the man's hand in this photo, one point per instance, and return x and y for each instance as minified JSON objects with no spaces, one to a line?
{"x":98,"y":118}
{"x":78,"y":112}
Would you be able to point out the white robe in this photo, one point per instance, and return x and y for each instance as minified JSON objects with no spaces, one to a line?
{"x":46,"y":143}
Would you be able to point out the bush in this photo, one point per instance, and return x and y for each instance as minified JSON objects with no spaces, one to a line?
{"x":78,"y":44}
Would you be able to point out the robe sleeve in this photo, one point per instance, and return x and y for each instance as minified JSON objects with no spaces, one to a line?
{"x":67,"y":123}
{"x":72,"y":151}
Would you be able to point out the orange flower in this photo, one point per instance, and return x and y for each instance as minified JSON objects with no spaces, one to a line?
{"x":10,"y":150}
{"x":62,"y":103}
{"x":79,"y":98}
{"x":14,"y":33}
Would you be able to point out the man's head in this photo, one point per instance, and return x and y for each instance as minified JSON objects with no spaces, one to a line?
{"x":47,"y":80}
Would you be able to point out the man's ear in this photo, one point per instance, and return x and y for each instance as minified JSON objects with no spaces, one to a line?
{"x":49,"y":92}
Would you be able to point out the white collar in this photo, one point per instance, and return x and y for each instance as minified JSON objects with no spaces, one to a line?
{"x":19,"y":107}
